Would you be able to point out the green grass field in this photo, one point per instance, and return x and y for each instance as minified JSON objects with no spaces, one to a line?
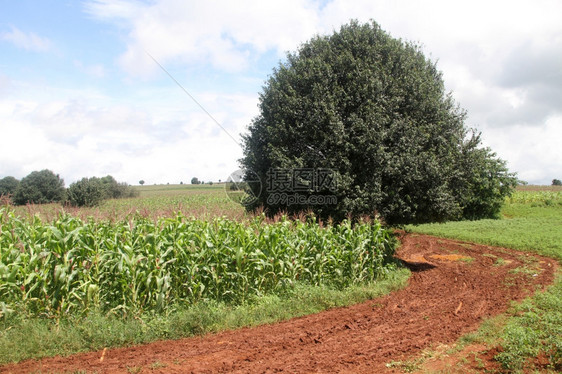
{"x":532,"y":221}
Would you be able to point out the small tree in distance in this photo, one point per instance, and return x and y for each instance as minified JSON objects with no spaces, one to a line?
{"x":195,"y":180}
{"x":141,"y":182}
{"x":556,"y":182}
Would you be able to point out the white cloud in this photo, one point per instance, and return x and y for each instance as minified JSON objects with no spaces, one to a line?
{"x":531,"y":150}
{"x":159,"y":142}
{"x":224,"y":34}
{"x":28,"y":41}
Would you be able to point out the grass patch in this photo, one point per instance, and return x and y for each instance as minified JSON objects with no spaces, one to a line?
{"x":535,"y":229}
{"x":534,"y":329}
{"x":23,"y":338}
{"x":531,"y":222}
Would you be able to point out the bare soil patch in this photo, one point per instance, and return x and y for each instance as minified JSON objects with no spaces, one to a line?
{"x":454,"y":285}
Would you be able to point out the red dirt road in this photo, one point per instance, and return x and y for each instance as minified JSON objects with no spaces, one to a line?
{"x":453,"y":287}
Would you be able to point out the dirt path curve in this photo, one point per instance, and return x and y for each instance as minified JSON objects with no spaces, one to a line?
{"x":453,"y":286}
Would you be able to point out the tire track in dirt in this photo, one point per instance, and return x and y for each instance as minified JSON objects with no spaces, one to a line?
{"x":453,"y":286}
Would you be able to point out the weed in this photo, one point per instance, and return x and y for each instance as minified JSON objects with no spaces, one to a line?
{"x":500,"y":262}
{"x":157,"y":365}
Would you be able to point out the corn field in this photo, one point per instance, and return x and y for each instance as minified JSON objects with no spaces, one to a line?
{"x":537,"y":197}
{"x":71,"y":265}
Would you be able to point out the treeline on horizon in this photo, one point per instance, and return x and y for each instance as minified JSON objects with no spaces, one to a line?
{"x":44,"y":187}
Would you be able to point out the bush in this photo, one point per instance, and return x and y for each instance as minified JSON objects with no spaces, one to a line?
{"x":556,"y":182}
{"x":116,"y":190}
{"x":373,"y":111}
{"x":40,"y":187}
{"x":92,"y":191}
{"x":87,"y":192}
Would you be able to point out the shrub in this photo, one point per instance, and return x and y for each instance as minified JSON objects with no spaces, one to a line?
{"x":116,"y":190}
{"x":86,"y":192}
{"x":92,"y":191}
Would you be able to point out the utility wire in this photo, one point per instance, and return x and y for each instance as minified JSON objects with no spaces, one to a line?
{"x":192,"y":98}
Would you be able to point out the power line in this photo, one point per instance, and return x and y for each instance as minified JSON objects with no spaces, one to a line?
{"x":192,"y":98}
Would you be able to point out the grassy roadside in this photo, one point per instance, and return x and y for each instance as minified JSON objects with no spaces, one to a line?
{"x":25,"y":338}
{"x":530,"y":334}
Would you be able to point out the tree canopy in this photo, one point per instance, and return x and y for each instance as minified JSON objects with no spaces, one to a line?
{"x":40,"y":187}
{"x":370,"y":113}
{"x":8,"y":185}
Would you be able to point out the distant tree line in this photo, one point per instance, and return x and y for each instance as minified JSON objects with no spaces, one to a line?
{"x":196,"y":180}
{"x":42,"y":187}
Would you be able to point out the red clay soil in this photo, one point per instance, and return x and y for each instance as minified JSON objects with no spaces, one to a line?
{"x":453,"y":286}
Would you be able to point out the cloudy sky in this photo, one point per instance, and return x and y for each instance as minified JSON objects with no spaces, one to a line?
{"x":80,"y":94}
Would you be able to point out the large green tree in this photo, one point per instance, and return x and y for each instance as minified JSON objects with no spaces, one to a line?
{"x":40,"y":187}
{"x":372,"y":110}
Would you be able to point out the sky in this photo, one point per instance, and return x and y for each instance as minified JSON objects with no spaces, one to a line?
{"x":92,"y":88}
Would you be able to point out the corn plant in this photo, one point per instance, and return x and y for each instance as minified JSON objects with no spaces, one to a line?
{"x":141,"y":264}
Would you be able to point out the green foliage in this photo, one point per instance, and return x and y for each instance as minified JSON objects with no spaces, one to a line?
{"x":86,"y":192}
{"x":141,"y":182}
{"x":556,"y":182}
{"x":116,"y":190}
{"x":91,"y":192}
{"x":40,"y":187}
{"x":141,"y":264}
{"x":536,"y":329}
{"x":373,"y":109}
{"x":195,"y":180}
{"x":8,"y":185}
